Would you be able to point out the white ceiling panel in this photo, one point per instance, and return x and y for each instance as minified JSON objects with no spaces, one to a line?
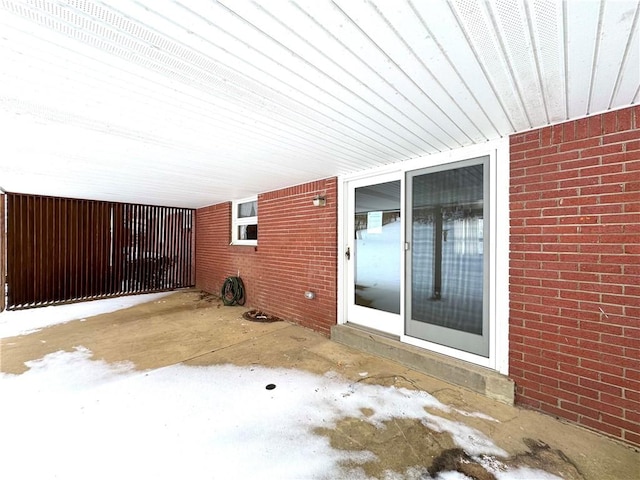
{"x":618,"y":22}
{"x":194,"y":102}
{"x":547,"y":36}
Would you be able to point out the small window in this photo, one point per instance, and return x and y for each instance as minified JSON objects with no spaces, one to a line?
{"x":244,"y":223}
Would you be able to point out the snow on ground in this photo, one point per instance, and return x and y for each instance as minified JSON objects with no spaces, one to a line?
{"x":23,"y":322}
{"x":71,"y":417}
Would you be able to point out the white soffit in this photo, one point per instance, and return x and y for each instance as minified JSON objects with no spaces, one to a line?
{"x":193,"y":102}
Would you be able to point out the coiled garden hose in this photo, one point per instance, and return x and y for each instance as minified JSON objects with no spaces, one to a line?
{"x":233,"y":291}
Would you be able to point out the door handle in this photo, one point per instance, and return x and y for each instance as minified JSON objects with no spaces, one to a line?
{"x":347,"y":253}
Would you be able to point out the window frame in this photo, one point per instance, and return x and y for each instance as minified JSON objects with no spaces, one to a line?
{"x":237,"y":221}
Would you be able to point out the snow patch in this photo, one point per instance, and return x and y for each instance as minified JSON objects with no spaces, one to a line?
{"x":24,"y":322}
{"x":82,"y":418}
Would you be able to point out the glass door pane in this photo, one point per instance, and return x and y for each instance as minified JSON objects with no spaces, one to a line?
{"x":446,"y":268}
{"x":377,"y":247}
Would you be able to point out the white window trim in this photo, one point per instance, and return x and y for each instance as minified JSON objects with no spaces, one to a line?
{"x":237,"y":222}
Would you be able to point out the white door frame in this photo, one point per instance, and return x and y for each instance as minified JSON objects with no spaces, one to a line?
{"x":498,"y":151}
{"x":390,"y":323}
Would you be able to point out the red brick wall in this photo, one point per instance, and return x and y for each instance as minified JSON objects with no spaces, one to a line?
{"x":575,"y":271}
{"x":296,"y":252}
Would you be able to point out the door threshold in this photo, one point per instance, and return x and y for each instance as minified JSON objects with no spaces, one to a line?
{"x":481,"y":380}
{"x":374,"y":331}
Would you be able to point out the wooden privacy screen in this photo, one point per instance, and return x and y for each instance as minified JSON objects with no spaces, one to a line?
{"x":62,"y":250}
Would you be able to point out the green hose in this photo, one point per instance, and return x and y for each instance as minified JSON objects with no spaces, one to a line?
{"x":232,"y":292}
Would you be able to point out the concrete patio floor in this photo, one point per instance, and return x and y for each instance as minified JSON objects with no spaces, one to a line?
{"x":194,"y":329}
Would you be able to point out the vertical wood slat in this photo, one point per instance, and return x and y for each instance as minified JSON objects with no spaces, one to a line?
{"x":46,"y":253}
{"x":173,"y":236}
{"x":126,"y":248}
{"x":171,"y":227}
{"x":123,"y":255}
{"x":26,"y":235}
{"x":156,"y":269}
{"x":192,"y":252}
{"x":135,"y":258}
{"x":32,"y":244}
{"x":118,"y":252}
{"x":178,"y":240}
{"x":60,"y":250}
{"x":186,"y":247}
{"x":11,"y":224}
{"x":75,"y":247}
{"x":88,"y":249}
{"x":142,"y":246}
{"x":159,"y":258}
{"x":38,"y":243}
{"x":161,"y":225}
{"x":181,"y":246}
{"x":3,"y":253}
{"x":98,"y":286}
{"x":85,"y":253}
{"x":105,"y":239}
{"x":148,"y":248}
{"x":131,"y":249}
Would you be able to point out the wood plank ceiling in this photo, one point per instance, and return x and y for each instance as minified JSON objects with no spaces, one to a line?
{"x":192,"y":102}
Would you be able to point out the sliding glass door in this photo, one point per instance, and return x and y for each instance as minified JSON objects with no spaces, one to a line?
{"x":417,"y":254}
{"x":446,"y":264}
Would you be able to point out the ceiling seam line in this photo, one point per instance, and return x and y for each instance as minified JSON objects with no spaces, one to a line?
{"x":332,"y":120}
{"x":406,"y":45}
{"x":625,"y":56}
{"x":92,"y":124}
{"x":380,"y":77}
{"x":399,"y":69}
{"x":536,"y":59}
{"x":481,"y":66}
{"x":177,"y":74}
{"x":244,"y":76}
{"x":512,"y":75}
{"x":327,"y":92}
{"x":596,"y":54}
{"x":390,"y":104}
{"x":565,"y":58}
{"x":330,"y":142}
{"x":193,"y":81}
{"x":58,"y":115}
{"x":454,"y":68}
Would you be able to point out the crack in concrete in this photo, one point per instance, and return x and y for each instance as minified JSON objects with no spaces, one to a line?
{"x":353,"y":440}
{"x":225,"y":347}
{"x":395,"y":378}
{"x":413,"y":451}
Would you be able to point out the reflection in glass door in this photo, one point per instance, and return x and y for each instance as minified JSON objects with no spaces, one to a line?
{"x":446,"y":227}
{"x":377,"y":247}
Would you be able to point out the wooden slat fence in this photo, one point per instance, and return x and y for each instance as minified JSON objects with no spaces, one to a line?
{"x":63,"y":250}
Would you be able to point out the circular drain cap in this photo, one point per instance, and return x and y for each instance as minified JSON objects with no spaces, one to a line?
{"x":271,"y":386}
